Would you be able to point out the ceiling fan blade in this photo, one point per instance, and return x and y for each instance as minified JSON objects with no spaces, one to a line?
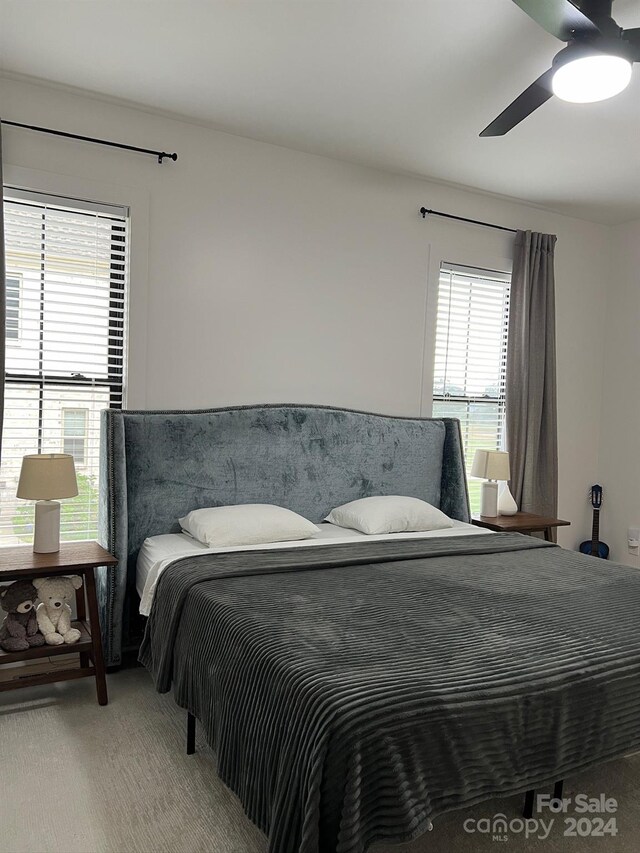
{"x":633,"y":37}
{"x":561,"y":18}
{"x":532,"y":98}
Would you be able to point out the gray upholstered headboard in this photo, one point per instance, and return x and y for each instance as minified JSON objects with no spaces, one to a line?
{"x":156,"y":466}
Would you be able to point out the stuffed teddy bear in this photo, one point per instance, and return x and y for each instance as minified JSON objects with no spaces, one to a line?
{"x":54,"y":613}
{"x":19,"y":630}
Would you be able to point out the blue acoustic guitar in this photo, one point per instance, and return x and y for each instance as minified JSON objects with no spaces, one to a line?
{"x":593,"y":546}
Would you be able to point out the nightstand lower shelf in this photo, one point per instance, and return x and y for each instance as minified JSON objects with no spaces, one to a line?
{"x":83,"y":648}
{"x":50,"y":677}
{"x":83,"y":645}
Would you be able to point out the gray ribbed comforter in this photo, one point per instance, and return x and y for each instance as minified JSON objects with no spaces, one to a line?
{"x":354,"y":692}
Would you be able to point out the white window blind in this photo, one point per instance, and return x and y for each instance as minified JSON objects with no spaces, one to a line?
{"x":471,"y":358}
{"x":13,"y":308}
{"x":66,"y":311}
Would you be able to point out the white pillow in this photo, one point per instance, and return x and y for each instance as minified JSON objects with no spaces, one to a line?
{"x":389,"y":514}
{"x":246,"y":524}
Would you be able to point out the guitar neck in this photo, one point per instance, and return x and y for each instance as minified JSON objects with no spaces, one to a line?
{"x":595,"y":532}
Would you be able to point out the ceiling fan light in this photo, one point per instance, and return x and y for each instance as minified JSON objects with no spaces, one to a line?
{"x":591,"y":78}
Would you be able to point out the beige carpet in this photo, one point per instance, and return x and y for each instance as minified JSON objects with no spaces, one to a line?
{"x":77,"y":778}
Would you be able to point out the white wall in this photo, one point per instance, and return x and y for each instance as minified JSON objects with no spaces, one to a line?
{"x":264,"y":274}
{"x":620,"y":440}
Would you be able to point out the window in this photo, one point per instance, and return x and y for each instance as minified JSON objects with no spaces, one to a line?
{"x":13,"y":307}
{"x":471,"y":358}
{"x":66,"y":292}
{"x":74,"y":434}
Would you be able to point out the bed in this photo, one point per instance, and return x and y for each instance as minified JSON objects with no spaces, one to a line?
{"x":356,"y":690}
{"x":155,"y":466}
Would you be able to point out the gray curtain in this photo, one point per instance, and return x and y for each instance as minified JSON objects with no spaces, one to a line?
{"x":3,"y":305}
{"x":531,"y":413}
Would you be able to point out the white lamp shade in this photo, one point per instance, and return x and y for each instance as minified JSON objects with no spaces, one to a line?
{"x":491,"y":465}
{"x":47,"y":476}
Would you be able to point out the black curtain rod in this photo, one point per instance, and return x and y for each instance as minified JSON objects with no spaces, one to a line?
{"x":424,"y":211}
{"x":159,"y":154}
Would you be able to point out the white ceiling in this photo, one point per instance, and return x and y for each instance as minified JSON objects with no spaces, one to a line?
{"x":406,"y":85}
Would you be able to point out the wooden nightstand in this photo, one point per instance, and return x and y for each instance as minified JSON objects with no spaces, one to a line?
{"x":73,"y":558}
{"x":521,"y":522}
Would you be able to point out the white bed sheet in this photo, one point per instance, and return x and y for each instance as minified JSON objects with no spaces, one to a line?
{"x":158,"y":552}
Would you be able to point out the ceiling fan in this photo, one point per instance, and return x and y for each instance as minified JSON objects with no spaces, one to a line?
{"x":596,"y":63}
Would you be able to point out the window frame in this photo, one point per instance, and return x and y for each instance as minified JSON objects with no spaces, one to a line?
{"x":118,"y":309}
{"x":105,"y":384}
{"x":501,"y":277}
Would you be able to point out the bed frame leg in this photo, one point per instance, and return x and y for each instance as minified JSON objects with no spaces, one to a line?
{"x":529,"y":798}
{"x":191,"y":733}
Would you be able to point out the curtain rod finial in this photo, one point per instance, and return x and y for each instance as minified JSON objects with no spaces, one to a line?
{"x":424,"y":211}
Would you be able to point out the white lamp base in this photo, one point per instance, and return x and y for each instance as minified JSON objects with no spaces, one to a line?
{"x":489,"y":499}
{"x":46,"y":535}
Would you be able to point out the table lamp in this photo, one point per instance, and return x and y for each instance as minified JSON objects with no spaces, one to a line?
{"x":43,"y":478}
{"x":491,"y":465}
